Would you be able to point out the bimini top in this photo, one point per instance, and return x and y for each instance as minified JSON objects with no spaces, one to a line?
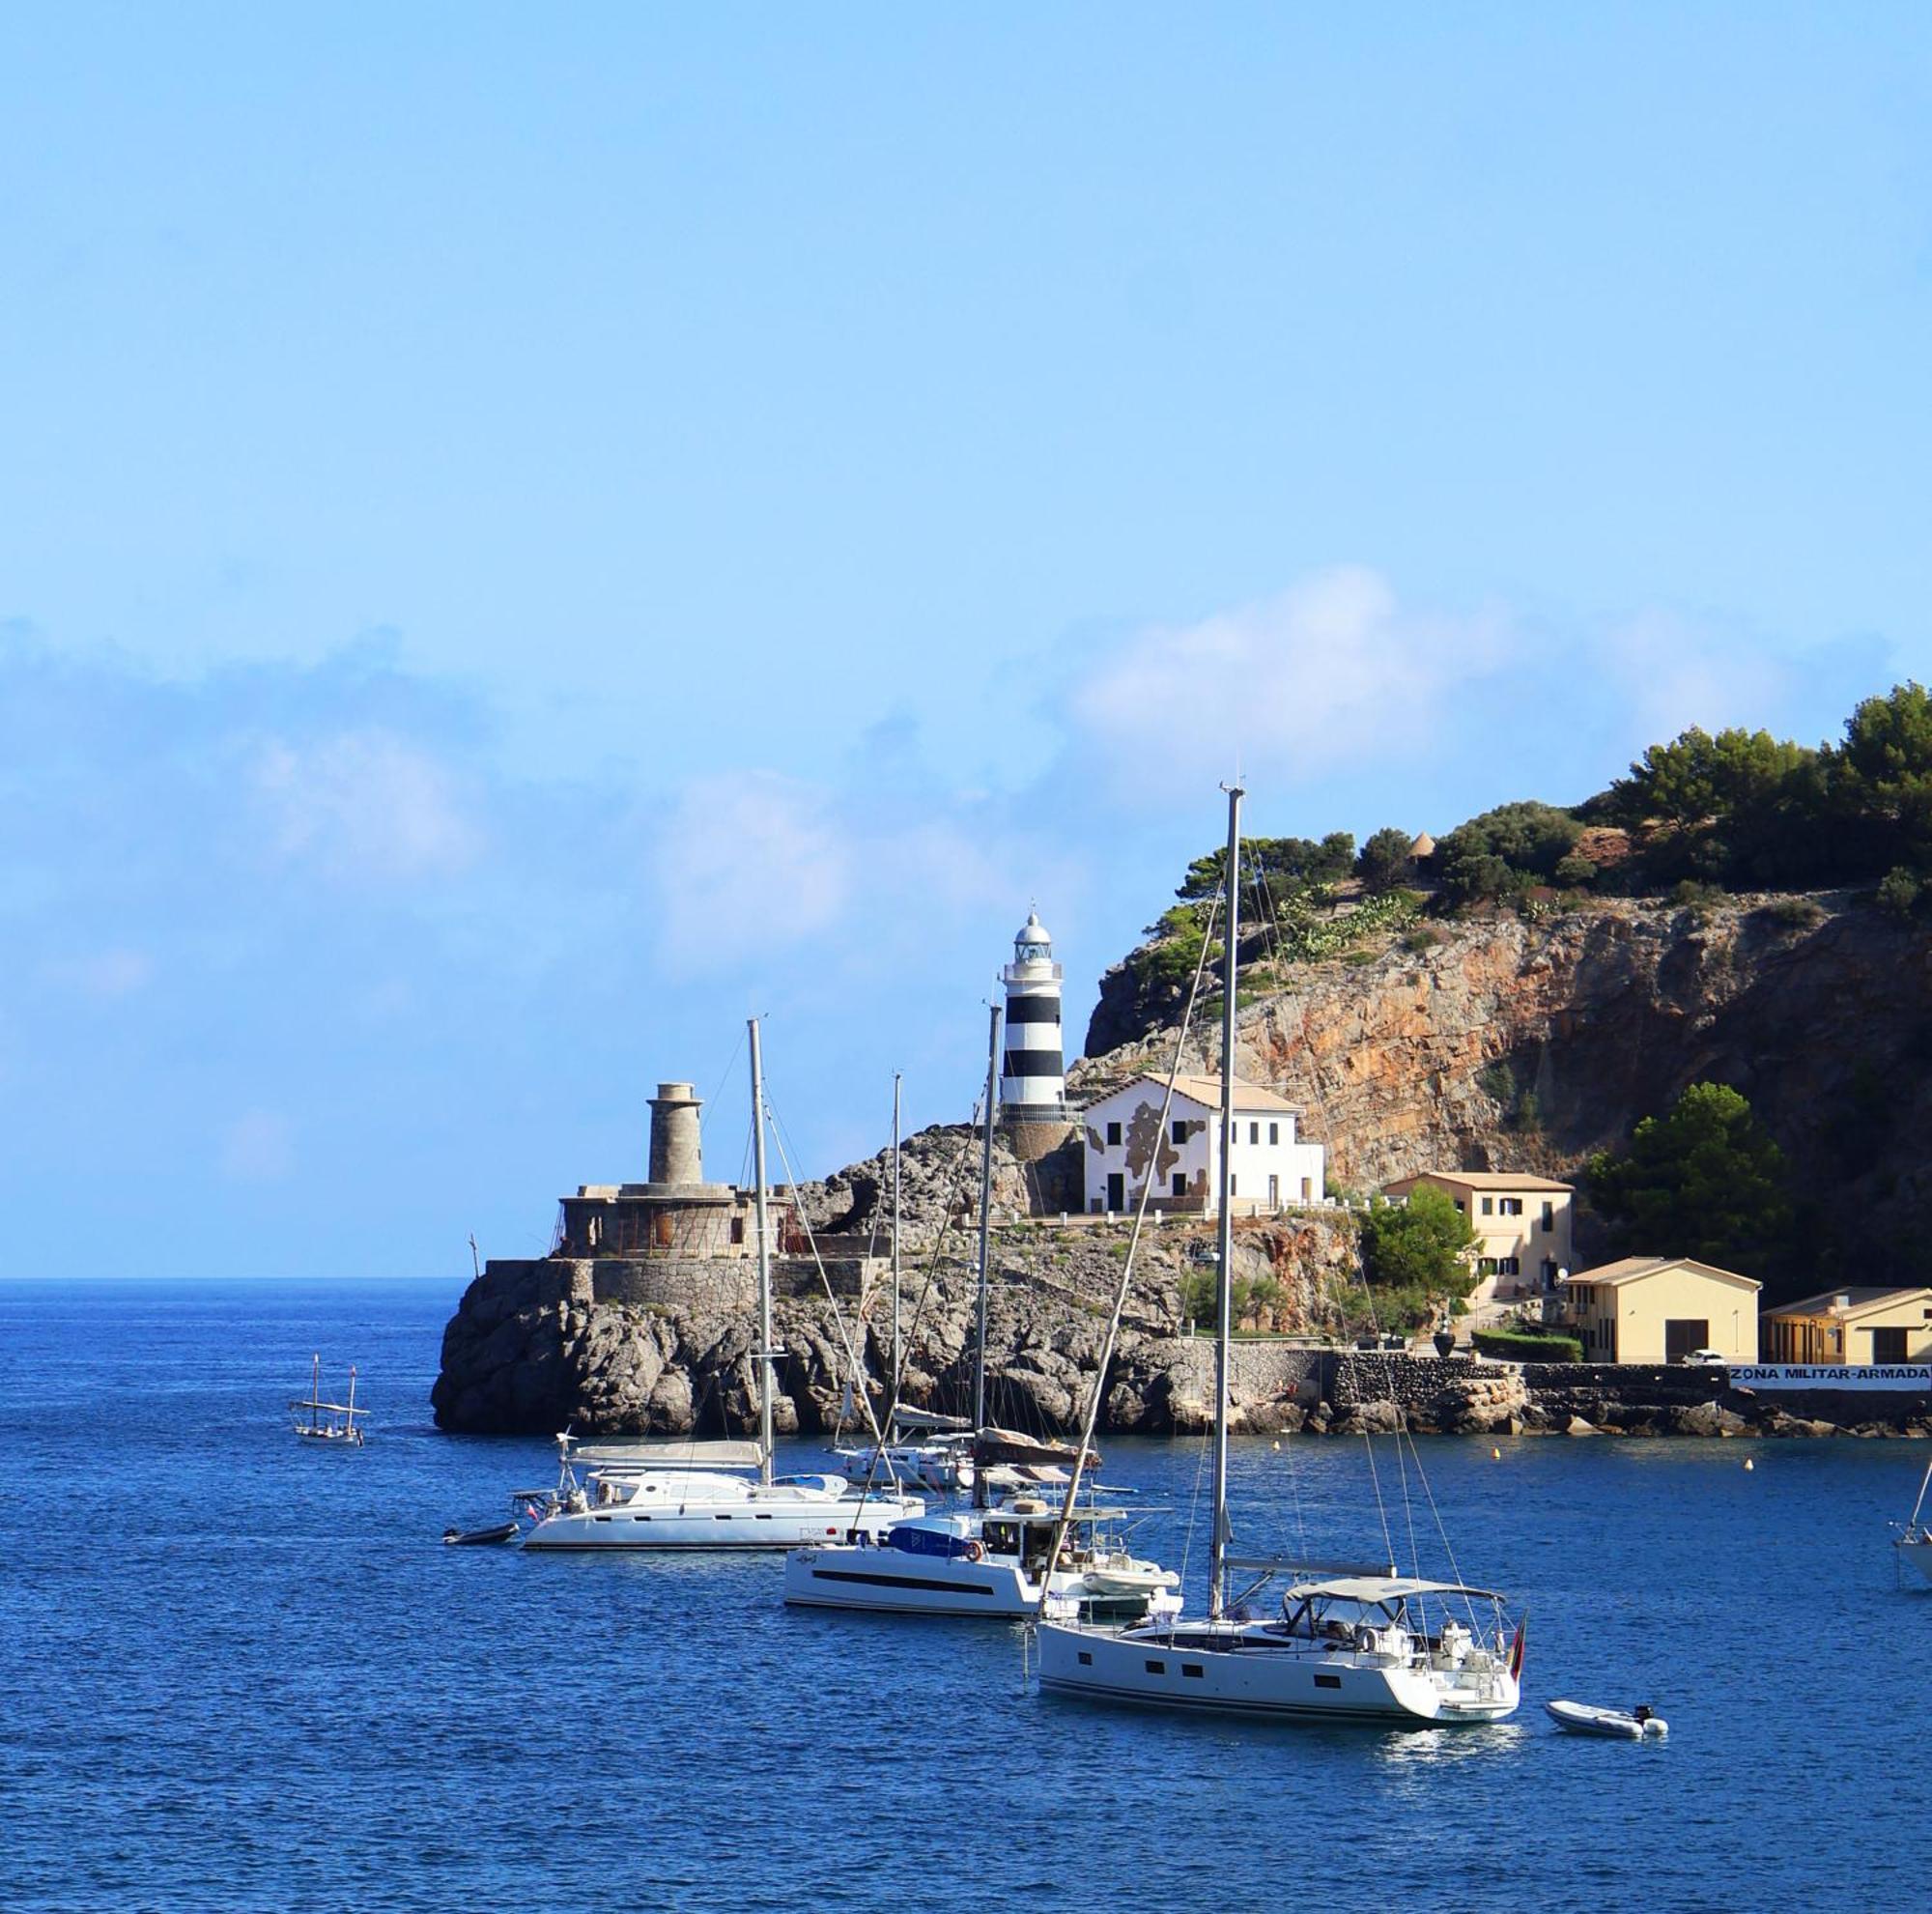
{"x":620,"y":1457}
{"x":1379,"y":1589}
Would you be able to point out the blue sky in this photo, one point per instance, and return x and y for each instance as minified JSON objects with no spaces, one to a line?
{"x":528,"y":533}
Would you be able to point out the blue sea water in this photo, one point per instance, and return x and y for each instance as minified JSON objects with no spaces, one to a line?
{"x":244,"y":1674}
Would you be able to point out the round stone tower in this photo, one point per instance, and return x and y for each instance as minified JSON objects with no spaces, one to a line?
{"x":676,"y":1150}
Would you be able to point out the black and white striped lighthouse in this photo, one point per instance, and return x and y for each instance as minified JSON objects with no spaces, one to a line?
{"x":1033,"y":1078}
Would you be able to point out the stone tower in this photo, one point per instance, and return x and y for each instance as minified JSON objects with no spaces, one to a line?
{"x":675,"y":1157}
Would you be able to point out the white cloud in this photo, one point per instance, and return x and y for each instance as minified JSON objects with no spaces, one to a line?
{"x":104,"y":975}
{"x":745,"y":864}
{"x":1329,"y":675}
{"x":257,"y":1147}
{"x":749,"y":865}
{"x":1672,"y":673}
{"x":364,"y":804}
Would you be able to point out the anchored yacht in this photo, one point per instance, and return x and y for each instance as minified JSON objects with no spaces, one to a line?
{"x":1349,"y":1643}
{"x":699,"y":1496}
{"x":993,"y":1562}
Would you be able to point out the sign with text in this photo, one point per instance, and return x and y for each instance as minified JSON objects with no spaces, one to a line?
{"x":1855,"y":1376}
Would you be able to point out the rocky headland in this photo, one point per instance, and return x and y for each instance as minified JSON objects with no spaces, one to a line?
{"x":1503,"y":1041}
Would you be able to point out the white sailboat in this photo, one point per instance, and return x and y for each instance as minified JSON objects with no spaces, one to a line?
{"x":706,"y":1494}
{"x":1914,"y":1541}
{"x":334,"y":1423}
{"x":1351,"y":1641}
{"x":1006,"y":1559}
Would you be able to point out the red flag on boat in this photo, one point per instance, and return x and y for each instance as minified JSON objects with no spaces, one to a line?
{"x":1516,"y":1650}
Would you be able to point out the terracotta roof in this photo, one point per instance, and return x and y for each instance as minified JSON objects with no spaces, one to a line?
{"x":1207,"y":1090}
{"x":1857,"y":1300}
{"x":1633,"y":1269}
{"x":1480,"y":1179}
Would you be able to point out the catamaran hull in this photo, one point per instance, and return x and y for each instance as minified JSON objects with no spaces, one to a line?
{"x":737,"y":1528}
{"x":1261,"y":1683}
{"x":892,"y":1581}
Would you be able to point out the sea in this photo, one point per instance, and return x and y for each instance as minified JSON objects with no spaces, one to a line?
{"x":242,"y":1674}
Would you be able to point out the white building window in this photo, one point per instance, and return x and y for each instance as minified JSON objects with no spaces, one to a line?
{"x":1510,"y":1206}
{"x":1112,"y":1134}
{"x":1274,"y":1136}
{"x":1254,"y":1132}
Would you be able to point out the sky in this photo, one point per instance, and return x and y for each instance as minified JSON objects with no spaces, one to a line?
{"x":530,"y":535}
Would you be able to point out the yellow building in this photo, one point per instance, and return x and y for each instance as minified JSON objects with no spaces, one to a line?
{"x":1661,"y":1309}
{"x":1521,"y":1224}
{"x":1844,"y":1326}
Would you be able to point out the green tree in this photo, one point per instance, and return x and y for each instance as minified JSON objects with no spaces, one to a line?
{"x":1705,"y":1180}
{"x":1384,"y":862}
{"x":1697,"y":776}
{"x":1882,"y":772}
{"x":1419,"y":1244}
{"x":1285,"y":865}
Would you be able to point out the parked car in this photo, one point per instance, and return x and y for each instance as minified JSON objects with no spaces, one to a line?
{"x":1705,"y":1358}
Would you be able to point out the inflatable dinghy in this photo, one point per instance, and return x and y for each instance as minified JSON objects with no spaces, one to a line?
{"x":469,"y":1538}
{"x":1616,"y":1724}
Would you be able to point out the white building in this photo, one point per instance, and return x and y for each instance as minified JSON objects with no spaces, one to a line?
{"x":1127,"y":1143}
{"x":1032,"y":1075}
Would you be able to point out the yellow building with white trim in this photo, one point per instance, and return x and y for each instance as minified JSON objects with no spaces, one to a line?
{"x":1841,"y":1328}
{"x":1659,"y":1310}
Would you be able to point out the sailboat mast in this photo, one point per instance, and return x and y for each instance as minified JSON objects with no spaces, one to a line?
{"x":315,"y":1393}
{"x":986,"y":1224}
{"x":1224,"y":1305}
{"x":765,"y":1353}
{"x":894,"y":1396}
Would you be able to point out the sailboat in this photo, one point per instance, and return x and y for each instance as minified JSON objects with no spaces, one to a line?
{"x":1914,"y":1542}
{"x":319,"y":1421}
{"x":1352,"y":1641}
{"x":1004,"y":1559}
{"x":705,"y":1495}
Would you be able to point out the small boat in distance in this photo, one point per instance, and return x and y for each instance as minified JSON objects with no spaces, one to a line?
{"x":1612,"y":1723}
{"x":319,"y":1421}
{"x":1914,"y":1542}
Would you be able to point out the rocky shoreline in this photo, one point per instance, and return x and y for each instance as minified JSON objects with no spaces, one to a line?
{"x":616,"y":1348}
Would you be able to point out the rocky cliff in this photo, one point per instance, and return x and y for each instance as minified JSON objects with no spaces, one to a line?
{"x":540,"y":1345}
{"x":1515,"y":1043}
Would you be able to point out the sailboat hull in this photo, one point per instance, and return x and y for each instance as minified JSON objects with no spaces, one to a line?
{"x":1919,"y":1555}
{"x":1262,"y":1681}
{"x":686,"y":1512}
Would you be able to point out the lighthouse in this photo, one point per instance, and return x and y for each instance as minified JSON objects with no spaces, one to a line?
{"x":1033,"y":1078}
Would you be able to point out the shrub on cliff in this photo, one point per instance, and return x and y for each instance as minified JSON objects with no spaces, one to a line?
{"x":1704,"y":1180}
{"x":1505,"y":853}
{"x":1384,"y":860}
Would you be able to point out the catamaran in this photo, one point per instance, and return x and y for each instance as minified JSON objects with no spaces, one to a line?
{"x":335,"y":1423}
{"x":1352,"y":1641}
{"x":1009,"y":1558}
{"x":706,"y":1494}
